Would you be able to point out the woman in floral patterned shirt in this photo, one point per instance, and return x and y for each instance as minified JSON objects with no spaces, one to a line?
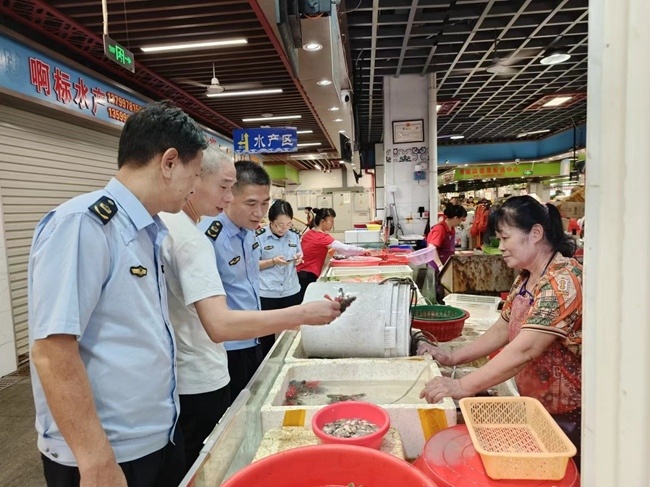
{"x":540,"y":328}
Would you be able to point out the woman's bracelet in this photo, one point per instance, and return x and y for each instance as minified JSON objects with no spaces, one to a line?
{"x":273,"y":261}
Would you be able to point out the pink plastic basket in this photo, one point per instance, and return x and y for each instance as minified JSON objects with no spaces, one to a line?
{"x":421,"y":256}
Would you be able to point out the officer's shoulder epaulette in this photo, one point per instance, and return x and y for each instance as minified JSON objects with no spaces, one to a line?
{"x":297,"y":232}
{"x":214,"y":230}
{"x":104,"y":208}
{"x":260,"y":231}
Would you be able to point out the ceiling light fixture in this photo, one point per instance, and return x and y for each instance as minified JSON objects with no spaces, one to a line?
{"x":438,"y":107}
{"x":333,"y":109}
{"x":323,"y":82}
{"x":307,"y":144}
{"x":279,"y":117}
{"x":316,"y":166}
{"x":224,"y":94}
{"x":342,"y":131}
{"x":194,"y":45}
{"x":557,"y":101}
{"x":555,"y":56}
{"x":312,"y":46}
{"x":456,"y":137}
{"x":338,"y":119}
{"x":304,"y":131}
{"x":533,"y":132}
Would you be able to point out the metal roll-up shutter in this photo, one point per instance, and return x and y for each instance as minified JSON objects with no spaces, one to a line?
{"x":43,"y":162}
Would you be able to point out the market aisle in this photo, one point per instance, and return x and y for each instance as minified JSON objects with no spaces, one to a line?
{"x":20,"y":464}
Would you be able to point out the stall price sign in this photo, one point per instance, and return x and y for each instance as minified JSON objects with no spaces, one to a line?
{"x":119,"y":54}
{"x":265,"y":140}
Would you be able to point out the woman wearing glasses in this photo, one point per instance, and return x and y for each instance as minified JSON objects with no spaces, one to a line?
{"x":540,"y":328}
{"x":281,"y":252}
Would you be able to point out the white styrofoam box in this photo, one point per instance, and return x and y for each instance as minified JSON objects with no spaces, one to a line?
{"x":369,"y":236}
{"x":471,"y":302}
{"x":416,"y":422}
{"x":277,"y":440}
{"x":351,"y":236}
{"x":343,"y":273}
{"x":296,"y":352}
{"x":377,"y":324}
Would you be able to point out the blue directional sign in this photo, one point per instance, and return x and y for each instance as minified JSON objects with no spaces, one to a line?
{"x":265,"y":140}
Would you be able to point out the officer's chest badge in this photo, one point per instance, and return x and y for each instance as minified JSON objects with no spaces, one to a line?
{"x":138,"y":271}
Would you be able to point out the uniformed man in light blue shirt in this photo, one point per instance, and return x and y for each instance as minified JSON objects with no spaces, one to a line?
{"x":280,"y":254}
{"x":238,"y":255}
{"x":102,"y":347}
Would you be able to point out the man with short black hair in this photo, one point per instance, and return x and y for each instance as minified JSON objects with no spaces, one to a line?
{"x":238,"y":256}
{"x":102,"y":347}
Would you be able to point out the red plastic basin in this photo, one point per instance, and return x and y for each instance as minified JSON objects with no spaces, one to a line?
{"x":331,"y":466}
{"x":349,"y":410}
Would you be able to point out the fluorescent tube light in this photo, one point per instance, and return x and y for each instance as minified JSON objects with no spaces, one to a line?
{"x":278,"y":117}
{"x":305,"y":132}
{"x":307,"y":144}
{"x":224,"y":94}
{"x":194,"y":45}
{"x":534,"y":132}
{"x":556,"y":102}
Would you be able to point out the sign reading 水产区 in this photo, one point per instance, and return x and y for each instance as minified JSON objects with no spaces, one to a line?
{"x":119,"y":54}
{"x":265,"y":140}
{"x":29,"y":72}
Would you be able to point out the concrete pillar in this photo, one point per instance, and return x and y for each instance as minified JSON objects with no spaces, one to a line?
{"x":616,"y":353}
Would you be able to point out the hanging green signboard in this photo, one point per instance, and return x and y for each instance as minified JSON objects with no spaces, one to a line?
{"x":504,"y":171}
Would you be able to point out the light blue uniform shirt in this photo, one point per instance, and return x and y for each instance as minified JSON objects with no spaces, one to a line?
{"x":278,"y":281}
{"x":98,"y":276}
{"x":238,"y":260}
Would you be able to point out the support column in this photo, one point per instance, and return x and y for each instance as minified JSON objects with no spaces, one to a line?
{"x":434,"y":202}
{"x":616,"y":353}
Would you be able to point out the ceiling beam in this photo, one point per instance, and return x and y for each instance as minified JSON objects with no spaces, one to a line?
{"x":373,"y":43}
{"x":407,"y":35}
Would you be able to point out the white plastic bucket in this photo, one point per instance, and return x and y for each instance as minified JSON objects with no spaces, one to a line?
{"x":376,"y":325}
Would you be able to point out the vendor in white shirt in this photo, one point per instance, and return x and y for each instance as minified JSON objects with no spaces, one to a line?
{"x":198,"y":309}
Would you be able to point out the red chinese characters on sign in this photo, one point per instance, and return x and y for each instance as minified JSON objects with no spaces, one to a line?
{"x":49,"y":80}
{"x":39,"y":76}
{"x":99,"y":98}
{"x":81,"y":98}
{"x":62,"y":86}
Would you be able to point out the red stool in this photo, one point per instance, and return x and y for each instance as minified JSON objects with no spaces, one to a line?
{"x":450,"y":460}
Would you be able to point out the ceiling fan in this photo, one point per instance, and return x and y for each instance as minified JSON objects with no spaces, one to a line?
{"x":501,"y":65}
{"x":214,"y":88}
